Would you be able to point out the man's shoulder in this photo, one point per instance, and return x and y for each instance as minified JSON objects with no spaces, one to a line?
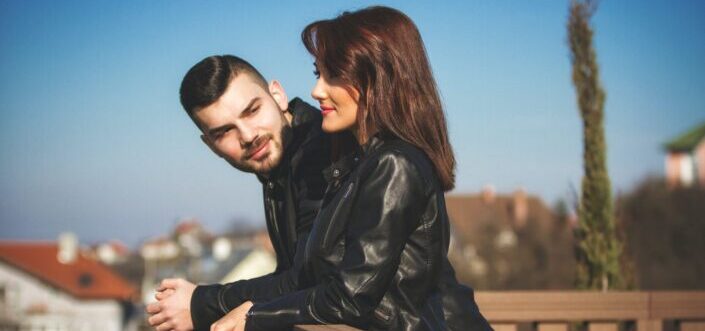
{"x":304,"y":113}
{"x":313,"y":145}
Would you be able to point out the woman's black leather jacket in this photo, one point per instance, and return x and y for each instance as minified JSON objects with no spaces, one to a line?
{"x":376,"y":257}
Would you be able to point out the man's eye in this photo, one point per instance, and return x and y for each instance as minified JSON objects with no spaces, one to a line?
{"x":221,"y":134}
{"x":251,"y":111}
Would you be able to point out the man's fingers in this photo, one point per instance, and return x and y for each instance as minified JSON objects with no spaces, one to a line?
{"x":228,"y":322}
{"x":166,"y":326}
{"x":154,"y":308}
{"x":223,"y":325}
{"x":164,"y":294}
{"x":157,"y":319}
{"x":168,"y":283}
{"x":182,"y":321}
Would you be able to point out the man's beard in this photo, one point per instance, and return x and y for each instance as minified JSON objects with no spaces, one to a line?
{"x":276,"y":153}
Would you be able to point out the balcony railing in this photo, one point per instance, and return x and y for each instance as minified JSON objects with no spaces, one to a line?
{"x":602,"y":311}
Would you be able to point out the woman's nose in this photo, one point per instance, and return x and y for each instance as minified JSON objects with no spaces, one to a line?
{"x":318,"y":91}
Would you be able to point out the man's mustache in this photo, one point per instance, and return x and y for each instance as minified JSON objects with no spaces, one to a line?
{"x":256,"y":145}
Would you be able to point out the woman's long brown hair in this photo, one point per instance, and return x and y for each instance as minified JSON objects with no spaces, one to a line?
{"x":379,"y":52}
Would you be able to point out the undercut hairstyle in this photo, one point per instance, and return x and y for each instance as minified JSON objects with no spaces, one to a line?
{"x":378,"y":51}
{"x":206,"y":81}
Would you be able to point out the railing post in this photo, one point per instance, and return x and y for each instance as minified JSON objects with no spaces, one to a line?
{"x":602,"y":326}
{"x":552,"y":327}
{"x":649,"y":325}
{"x":692,"y":325}
{"x":504,"y":326}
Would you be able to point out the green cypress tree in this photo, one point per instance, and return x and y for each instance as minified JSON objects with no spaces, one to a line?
{"x":598,"y":250}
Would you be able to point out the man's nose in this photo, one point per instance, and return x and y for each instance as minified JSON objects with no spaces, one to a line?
{"x":247,"y":135}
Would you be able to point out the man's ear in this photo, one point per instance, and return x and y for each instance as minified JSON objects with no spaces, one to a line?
{"x":209,"y":143}
{"x":279,"y":95}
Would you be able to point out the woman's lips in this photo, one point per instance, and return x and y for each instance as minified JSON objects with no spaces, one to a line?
{"x":325,"y":110}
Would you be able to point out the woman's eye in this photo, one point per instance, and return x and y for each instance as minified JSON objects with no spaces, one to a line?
{"x":317,"y":73}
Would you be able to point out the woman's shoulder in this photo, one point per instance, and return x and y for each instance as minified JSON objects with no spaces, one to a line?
{"x":402,"y":156}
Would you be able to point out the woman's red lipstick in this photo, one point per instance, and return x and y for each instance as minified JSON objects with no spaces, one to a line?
{"x":325,"y":110}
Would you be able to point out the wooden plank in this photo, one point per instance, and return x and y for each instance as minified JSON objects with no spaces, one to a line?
{"x":692,"y":325}
{"x":649,"y":325}
{"x":602,"y":310}
{"x":504,"y":326}
{"x":552,"y":327}
{"x":561,"y":306}
{"x":601,"y":326}
{"x":678,"y":305}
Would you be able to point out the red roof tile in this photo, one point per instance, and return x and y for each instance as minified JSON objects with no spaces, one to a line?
{"x":84,"y":278}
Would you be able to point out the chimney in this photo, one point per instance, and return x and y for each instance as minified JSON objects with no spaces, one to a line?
{"x":222,"y":248}
{"x":488,"y":194}
{"x":521,"y":208}
{"x":68,"y":248}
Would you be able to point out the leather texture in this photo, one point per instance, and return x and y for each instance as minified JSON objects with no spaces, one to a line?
{"x":292,"y":195}
{"x":376,"y":257}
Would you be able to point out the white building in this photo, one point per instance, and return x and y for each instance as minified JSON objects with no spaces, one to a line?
{"x":46,"y":286}
{"x":685,"y":158}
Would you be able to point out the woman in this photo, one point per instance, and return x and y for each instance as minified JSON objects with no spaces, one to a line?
{"x":377,"y":254}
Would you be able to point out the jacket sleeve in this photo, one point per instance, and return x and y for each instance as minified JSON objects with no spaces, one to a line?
{"x":209,"y":303}
{"x":387,"y":207}
{"x":459,"y":307}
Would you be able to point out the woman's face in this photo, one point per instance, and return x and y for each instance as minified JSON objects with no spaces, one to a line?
{"x":338,"y":106}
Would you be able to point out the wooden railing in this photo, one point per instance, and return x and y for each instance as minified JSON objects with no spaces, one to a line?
{"x":602,"y":311}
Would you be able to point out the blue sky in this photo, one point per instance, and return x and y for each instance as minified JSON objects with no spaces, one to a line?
{"x":93,"y":139}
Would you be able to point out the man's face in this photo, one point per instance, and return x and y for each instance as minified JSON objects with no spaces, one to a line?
{"x":245,"y":125}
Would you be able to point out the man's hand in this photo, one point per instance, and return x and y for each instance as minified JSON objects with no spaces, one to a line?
{"x":172,"y":310}
{"x":234,"y":320}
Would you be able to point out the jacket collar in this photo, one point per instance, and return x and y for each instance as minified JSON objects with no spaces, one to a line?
{"x":346,"y":164}
{"x":303,"y":116}
{"x":342,"y":167}
{"x":374,"y":143}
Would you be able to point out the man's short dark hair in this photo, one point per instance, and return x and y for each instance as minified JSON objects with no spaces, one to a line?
{"x":206,"y":81}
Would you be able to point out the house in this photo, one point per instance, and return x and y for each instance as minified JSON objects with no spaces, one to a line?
{"x":685,"y":158}
{"x":112,"y":252}
{"x":509,"y":241}
{"x":253,"y":259}
{"x":193,"y":253}
{"x":56,"y":286}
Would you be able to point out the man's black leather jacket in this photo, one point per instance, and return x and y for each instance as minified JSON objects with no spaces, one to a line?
{"x":376,"y":257}
{"x":292,"y":197}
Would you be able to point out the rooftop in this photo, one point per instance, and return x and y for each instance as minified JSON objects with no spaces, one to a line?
{"x":687,"y":141}
{"x":84,"y":278}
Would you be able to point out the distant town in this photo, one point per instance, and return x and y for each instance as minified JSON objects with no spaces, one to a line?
{"x":499,"y":241}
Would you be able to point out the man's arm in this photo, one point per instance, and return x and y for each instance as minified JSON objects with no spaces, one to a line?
{"x":209,"y":303}
{"x":184,"y":306}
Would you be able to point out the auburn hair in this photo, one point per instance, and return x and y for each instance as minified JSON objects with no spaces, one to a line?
{"x":379,"y":52}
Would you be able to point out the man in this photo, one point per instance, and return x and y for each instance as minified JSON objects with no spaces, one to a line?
{"x":251,"y":125}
